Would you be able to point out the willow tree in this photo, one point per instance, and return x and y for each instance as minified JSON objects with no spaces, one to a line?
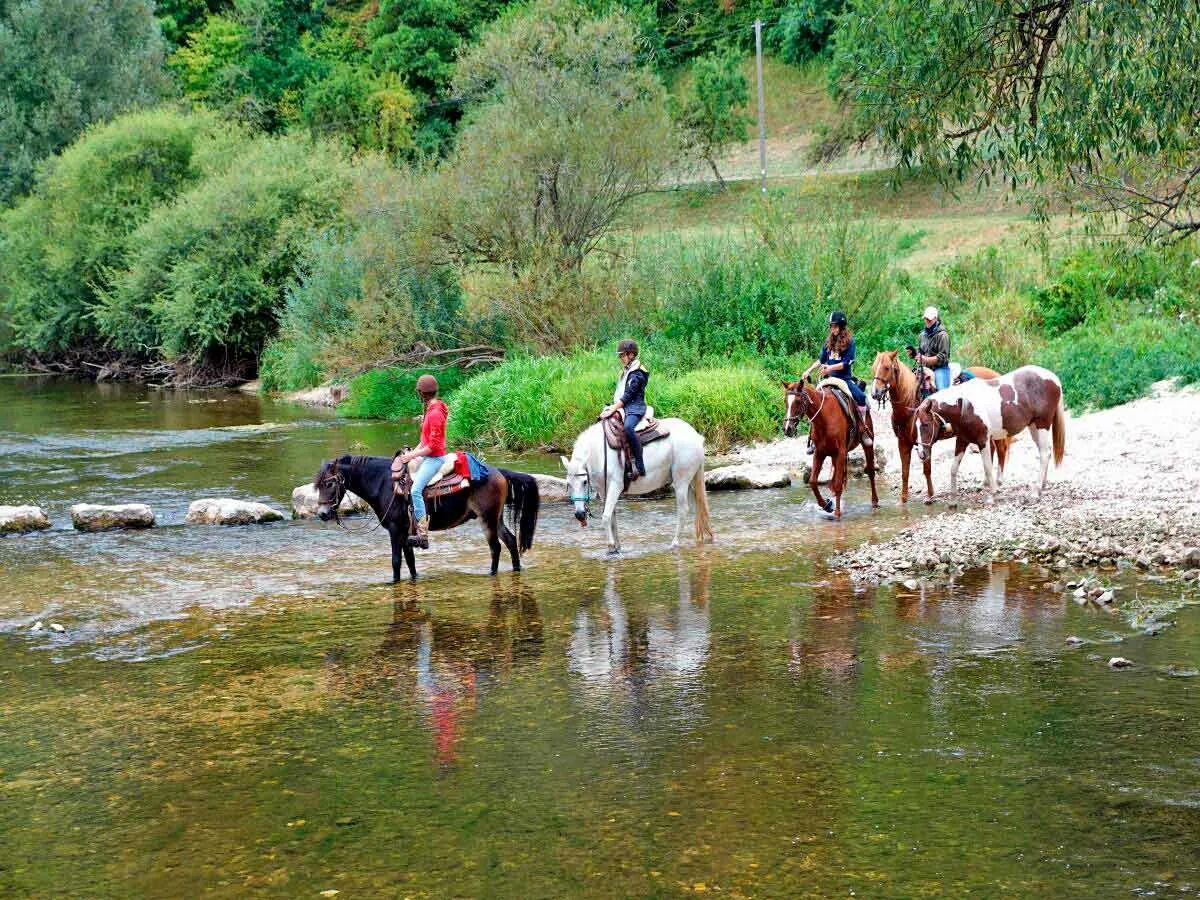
{"x":1102,"y":96}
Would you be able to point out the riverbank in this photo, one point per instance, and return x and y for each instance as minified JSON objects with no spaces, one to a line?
{"x":1127,"y":493}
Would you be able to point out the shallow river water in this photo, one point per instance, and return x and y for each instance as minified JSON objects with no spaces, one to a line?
{"x":256,"y":711}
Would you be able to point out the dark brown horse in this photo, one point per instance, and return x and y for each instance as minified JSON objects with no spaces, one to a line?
{"x":981,"y":410}
{"x":896,"y":381}
{"x":371,"y":478}
{"x":829,"y":430}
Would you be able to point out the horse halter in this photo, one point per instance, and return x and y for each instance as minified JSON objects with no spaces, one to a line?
{"x":803,"y":397}
{"x":586,"y":499}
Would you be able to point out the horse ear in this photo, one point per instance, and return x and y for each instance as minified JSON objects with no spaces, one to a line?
{"x":566,"y":463}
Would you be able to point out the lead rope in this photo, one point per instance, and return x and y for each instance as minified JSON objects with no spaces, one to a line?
{"x":337,"y":516}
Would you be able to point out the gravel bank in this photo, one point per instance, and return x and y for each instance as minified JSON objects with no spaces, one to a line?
{"x":1128,"y":492}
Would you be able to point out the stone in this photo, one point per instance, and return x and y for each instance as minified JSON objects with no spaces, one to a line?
{"x":1073,"y":641}
{"x":747,"y":476}
{"x":1119,"y":662}
{"x":1191,"y":575}
{"x":304,"y":503}
{"x":94,"y":517}
{"x":1105,"y":597}
{"x":223,"y":511}
{"x":38,"y":626}
{"x":22,"y":519}
{"x":551,"y":489}
{"x":1143,"y":562}
{"x":57,"y":628}
{"x":910,"y":584}
{"x":1190,"y":558}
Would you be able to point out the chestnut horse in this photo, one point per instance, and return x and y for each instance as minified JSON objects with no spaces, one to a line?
{"x":979,"y":411}
{"x":898,"y":382}
{"x":829,"y":430}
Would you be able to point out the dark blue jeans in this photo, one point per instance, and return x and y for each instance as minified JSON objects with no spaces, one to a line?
{"x":635,"y":443}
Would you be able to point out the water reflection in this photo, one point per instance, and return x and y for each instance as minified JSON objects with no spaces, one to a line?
{"x":827,"y":643}
{"x":449,"y":665}
{"x":640,"y":658}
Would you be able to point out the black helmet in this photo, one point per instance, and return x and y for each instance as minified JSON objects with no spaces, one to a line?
{"x":837,"y":317}
{"x":628,"y":346}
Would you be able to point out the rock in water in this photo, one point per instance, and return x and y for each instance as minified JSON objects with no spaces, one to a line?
{"x":747,"y":476}
{"x":1073,"y":641}
{"x":304,"y":503}
{"x":56,"y":628}
{"x":223,"y":511}
{"x":20,"y":519}
{"x":1119,"y":662}
{"x":92,"y":517}
{"x":1190,"y":558}
{"x":551,"y":489}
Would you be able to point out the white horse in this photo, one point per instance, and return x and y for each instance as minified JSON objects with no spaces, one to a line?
{"x":594,"y":470}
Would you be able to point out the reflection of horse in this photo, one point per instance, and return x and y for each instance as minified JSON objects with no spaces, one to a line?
{"x":613,"y":647}
{"x":830,"y":639}
{"x":898,"y":382}
{"x":979,"y":411}
{"x":830,"y":432}
{"x":453,"y":663}
{"x":676,"y":460}
{"x":371,"y":478}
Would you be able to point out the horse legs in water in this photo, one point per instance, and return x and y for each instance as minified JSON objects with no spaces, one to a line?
{"x":401,"y":553}
{"x":814,"y":481}
{"x":682,"y":485}
{"x":869,"y":455}
{"x":612,"y":494}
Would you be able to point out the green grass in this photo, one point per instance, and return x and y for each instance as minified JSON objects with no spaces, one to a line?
{"x":391,"y":393}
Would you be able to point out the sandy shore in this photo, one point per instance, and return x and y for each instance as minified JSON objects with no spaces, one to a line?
{"x":1128,"y":490}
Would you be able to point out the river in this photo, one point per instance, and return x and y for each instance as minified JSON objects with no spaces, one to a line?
{"x":256,"y":712}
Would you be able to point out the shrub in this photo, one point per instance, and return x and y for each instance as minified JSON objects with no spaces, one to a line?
{"x":63,"y":242}
{"x":726,"y":404}
{"x":391,"y":393}
{"x":1116,"y":362}
{"x":206,"y":276}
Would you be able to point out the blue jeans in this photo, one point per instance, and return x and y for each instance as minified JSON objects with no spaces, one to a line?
{"x":429,"y":467}
{"x":859,"y":397}
{"x":632,"y":420}
{"x":941,"y":378}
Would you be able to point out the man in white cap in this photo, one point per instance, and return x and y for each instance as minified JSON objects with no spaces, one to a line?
{"x":933,"y":349}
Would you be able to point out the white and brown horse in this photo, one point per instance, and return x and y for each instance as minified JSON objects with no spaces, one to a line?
{"x":896,"y":381}
{"x":978,"y":411}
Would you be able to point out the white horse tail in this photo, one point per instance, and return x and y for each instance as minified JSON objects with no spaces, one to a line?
{"x":704,"y":533}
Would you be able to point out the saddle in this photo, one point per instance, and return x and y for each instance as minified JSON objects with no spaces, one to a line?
{"x":648,"y":431}
{"x":926,"y":386}
{"x":447,"y":481}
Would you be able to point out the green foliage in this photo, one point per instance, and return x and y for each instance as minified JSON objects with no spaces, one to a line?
{"x":1103,"y":93}
{"x":567,"y":128}
{"x":371,"y":112}
{"x":392,"y":393}
{"x":63,"y":242}
{"x":804,"y":29}
{"x":206,"y":275}
{"x":1117,"y":362}
{"x":65,"y":64}
{"x":712,"y":115}
{"x":773,"y":294}
{"x":206,"y":66}
{"x":368,"y":291}
{"x":545,"y":402}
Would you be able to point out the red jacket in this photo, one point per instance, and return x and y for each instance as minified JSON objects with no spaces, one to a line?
{"x":433,"y":428}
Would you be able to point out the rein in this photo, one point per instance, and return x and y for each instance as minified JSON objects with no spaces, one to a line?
{"x":338,"y":479}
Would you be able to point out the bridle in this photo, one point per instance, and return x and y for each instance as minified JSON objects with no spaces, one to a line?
{"x":338,"y":480}
{"x":586,"y":499}
{"x":803,"y":397}
{"x":941,"y":424}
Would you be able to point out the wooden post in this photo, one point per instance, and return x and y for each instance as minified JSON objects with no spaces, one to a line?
{"x":762,"y":114}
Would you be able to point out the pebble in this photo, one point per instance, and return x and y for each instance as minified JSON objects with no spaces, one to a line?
{"x":1105,"y":597}
{"x":55,"y":627}
{"x":1119,"y":662}
{"x":911,"y":584}
{"x":38,"y":626}
{"x":1074,"y":641}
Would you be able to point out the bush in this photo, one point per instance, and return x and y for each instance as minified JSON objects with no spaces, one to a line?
{"x":62,"y":243}
{"x":726,"y":404}
{"x":1117,"y":362}
{"x":206,"y":277}
{"x":392,"y":393}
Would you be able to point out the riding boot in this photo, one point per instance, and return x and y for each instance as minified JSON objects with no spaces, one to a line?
{"x":811,"y":448}
{"x":635,"y":449}
{"x":420,"y":540}
{"x":864,"y":430}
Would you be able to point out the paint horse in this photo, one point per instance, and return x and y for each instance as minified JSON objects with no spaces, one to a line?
{"x":896,"y":381}
{"x":833,"y":437}
{"x":979,"y":411}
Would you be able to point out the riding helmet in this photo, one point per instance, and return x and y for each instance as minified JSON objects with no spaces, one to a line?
{"x":628,"y":346}
{"x":427,"y":384}
{"x":837,"y":317}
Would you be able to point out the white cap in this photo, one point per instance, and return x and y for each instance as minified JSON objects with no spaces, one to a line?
{"x":931,"y":313}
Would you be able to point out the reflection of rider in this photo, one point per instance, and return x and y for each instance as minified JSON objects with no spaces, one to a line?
{"x":837,"y":361}
{"x":934,"y":349}
{"x":433,"y":450}
{"x":630,"y":396}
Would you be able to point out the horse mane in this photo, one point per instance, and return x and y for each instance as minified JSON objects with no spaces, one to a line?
{"x":906,"y":383}
{"x":350,"y":462}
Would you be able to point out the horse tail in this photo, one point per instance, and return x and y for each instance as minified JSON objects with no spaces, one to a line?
{"x":1059,"y":430}
{"x":1001,"y":445}
{"x":525,"y":501}
{"x":704,"y":533}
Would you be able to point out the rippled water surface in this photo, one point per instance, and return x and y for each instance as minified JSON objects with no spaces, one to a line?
{"x":256,"y":711}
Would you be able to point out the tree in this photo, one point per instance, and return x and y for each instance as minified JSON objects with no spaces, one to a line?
{"x":712,"y":115}
{"x":1099,"y":97}
{"x":371,"y":112}
{"x":566,"y":128}
{"x":65,"y":64}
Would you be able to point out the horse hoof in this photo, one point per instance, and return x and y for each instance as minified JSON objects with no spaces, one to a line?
{"x":929,"y":501}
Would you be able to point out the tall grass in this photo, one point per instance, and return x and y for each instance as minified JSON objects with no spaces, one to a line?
{"x":392,"y":393}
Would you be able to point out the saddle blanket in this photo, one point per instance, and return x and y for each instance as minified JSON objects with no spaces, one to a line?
{"x":458,"y":473}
